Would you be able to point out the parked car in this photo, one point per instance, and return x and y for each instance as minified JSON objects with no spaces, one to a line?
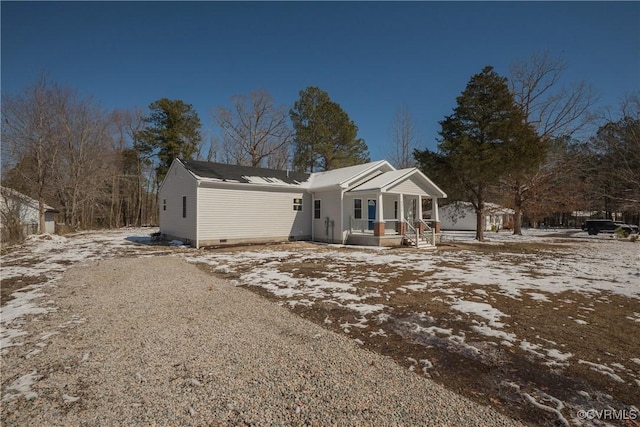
{"x":595,"y":226}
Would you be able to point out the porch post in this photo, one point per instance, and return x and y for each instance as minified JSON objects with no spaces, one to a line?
{"x":378,"y":226}
{"x":401,"y":225}
{"x":436,"y":215}
{"x":419,"y":225}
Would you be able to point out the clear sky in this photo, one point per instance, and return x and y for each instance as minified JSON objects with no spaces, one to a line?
{"x":371,"y":57}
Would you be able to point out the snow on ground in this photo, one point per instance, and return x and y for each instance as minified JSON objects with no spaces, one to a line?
{"x":466,"y":281}
{"x":49,"y":256}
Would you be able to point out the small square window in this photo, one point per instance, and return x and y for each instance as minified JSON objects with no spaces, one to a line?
{"x":297,"y":204}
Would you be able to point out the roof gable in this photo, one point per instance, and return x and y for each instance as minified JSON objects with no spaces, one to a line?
{"x":244,"y":174}
{"x":388,"y":180}
{"x":343,"y":176}
{"x":16,"y":196}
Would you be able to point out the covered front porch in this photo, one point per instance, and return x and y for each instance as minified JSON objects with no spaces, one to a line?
{"x":387,"y":218}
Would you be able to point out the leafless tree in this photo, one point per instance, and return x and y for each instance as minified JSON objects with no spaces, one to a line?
{"x":404,"y":139}
{"x":254,"y":129}
{"x":86,"y":161}
{"x":32,"y":138}
{"x":556,"y":112}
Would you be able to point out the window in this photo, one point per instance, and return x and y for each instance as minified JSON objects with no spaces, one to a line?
{"x":316,"y":209}
{"x":357,"y":208}
{"x":184,"y":206}
{"x":297,"y":204}
{"x":395,"y":209}
{"x":164,"y":204}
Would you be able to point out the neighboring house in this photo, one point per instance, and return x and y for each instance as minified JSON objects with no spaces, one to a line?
{"x":16,"y":206}
{"x":462,"y":216}
{"x":206,"y":204}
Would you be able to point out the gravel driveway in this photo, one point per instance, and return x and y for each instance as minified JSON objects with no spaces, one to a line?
{"x":156,"y":341}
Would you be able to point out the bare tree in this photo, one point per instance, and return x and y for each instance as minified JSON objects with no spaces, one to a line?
{"x":31,"y":137}
{"x":254,"y":130}
{"x":555,"y":111}
{"x":86,"y":161}
{"x":404,"y":139}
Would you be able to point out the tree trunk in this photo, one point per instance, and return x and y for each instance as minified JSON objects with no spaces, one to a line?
{"x":517,"y":210}
{"x":480,"y":221}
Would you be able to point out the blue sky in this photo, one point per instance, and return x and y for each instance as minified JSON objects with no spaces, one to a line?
{"x":371,"y":57}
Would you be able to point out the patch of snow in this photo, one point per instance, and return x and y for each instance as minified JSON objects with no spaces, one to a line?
{"x":559,"y":406}
{"x":538,"y":297}
{"x":22,"y":386}
{"x":581,"y":322}
{"x":489,"y":332}
{"x":365,"y":309}
{"x":69,"y":399}
{"x":602,"y":369}
{"x":486,"y":311}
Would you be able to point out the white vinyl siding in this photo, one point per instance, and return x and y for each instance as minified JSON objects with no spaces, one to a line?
{"x":240,"y":213}
{"x":179,"y":183}
{"x":408,"y":187}
{"x":330,"y":209}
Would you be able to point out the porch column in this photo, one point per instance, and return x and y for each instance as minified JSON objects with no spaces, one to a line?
{"x":419,"y":224}
{"x":401,"y":224}
{"x":378,"y":226}
{"x":435,"y":214}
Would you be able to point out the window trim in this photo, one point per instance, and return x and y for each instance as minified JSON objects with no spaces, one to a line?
{"x":356,"y":209}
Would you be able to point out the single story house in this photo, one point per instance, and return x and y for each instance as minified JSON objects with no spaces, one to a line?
{"x":22,"y":208}
{"x":206,"y":204}
{"x":462,"y":216}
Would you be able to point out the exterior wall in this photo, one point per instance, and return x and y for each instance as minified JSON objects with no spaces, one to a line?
{"x":28,"y":214}
{"x":49,"y":222}
{"x":467,"y":220}
{"x":234,"y":214}
{"x":329,"y":208}
{"x":178,"y":183}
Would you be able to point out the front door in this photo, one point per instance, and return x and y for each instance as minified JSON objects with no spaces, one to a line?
{"x":371,"y":203}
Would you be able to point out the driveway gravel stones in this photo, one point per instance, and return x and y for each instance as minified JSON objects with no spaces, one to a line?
{"x":156,"y":341}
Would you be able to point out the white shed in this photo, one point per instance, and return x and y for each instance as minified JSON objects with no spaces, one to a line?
{"x":25,"y":210}
{"x":462,"y":216}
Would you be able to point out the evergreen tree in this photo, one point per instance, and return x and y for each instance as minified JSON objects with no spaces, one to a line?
{"x":481,"y":142}
{"x":172,"y":131}
{"x":325,"y":137}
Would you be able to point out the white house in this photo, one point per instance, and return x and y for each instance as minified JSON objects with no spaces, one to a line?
{"x":206,"y":204}
{"x":17,"y":206}
{"x":462,"y":216}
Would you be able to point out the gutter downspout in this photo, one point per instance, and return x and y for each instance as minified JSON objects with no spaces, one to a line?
{"x":197,"y":213}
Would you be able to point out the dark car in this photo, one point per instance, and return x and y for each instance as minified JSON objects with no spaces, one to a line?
{"x":595,"y":226}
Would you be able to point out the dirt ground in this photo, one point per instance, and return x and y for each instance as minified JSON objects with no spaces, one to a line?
{"x":541,"y":352}
{"x":494,"y":373}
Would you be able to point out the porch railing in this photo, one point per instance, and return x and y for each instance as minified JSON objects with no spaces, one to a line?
{"x":365,"y":226}
{"x":413,"y":236}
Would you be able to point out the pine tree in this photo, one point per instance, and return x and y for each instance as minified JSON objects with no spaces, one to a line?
{"x":172,"y":131}
{"x":482,"y":141}
{"x":325,"y":137}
